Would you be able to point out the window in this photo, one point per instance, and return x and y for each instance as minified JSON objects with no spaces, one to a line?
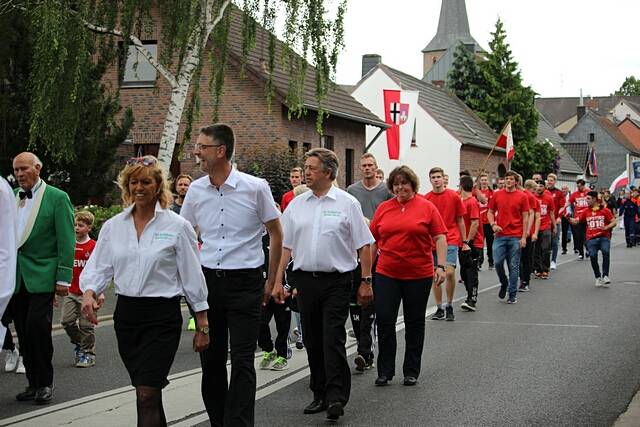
{"x":146,"y":150}
{"x":306,"y":146}
{"x":348,"y":168}
{"x":326,"y":141}
{"x":138,"y":72}
{"x":592,"y":137}
{"x":293,"y":146}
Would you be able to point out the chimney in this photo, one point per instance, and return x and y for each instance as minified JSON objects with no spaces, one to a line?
{"x":369,"y":61}
{"x":581,"y":111}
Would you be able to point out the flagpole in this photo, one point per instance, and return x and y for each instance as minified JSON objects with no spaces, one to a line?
{"x":494,"y":147}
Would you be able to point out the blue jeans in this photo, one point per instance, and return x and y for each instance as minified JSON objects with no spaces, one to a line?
{"x":507,"y":248}
{"x":555,"y":238}
{"x":602,"y":244}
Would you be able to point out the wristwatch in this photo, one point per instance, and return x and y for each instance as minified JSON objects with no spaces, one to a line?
{"x":204,"y":329}
{"x":440,"y":266}
{"x":367,"y":280}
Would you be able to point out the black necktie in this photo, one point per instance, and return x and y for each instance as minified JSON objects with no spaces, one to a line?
{"x":25,"y":194}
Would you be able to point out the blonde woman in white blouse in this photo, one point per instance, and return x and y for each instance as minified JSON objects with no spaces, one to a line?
{"x":151,"y":254}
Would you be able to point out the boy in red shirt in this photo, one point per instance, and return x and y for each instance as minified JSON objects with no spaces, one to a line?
{"x":509,"y":217}
{"x":578,"y":200}
{"x":559,"y":202}
{"x":80,"y":330}
{"x":451,"y":210}
{"x":295,"y":178}
{"x":547,"y":232}
{"x":485,"y":192}
{"x":526,"y":256}
{"x":474,"y":239}
{"x":598,"y":221}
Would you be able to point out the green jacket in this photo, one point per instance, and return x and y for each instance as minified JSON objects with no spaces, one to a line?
{"x":47,"y":247}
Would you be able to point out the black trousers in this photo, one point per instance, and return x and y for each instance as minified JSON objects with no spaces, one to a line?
{"x":526,"y":262}
{"x":282,"y":315}
{"x":488,"y":238}
{"x":469,"y":271}
{"x":324,"y":306}
{"x":362,"y":319}
{"x":235,"y":298}
{"x":8,"y":343}
{"x":414,"y":295}
{"x":565,"y":233}
{"x":32,"y":318}
{"x":579,"y":231}
{"x":542,"y":252}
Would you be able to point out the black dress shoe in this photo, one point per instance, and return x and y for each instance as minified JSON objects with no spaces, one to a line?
{"x":382,"y":380}
{"x":410,"y":381}
{"x":315,"y":407}
{"x":335,"y":411}
{"x":43,"y":395}
{"x":28,"y":394}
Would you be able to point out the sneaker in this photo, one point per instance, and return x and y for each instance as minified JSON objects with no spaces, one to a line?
{"x":20,"y":369}
{"x":267,"y":358}
{"x":438,"y":315}
{"x":11,"y":359}
{"x":280,"y":364}
{"x":564,"y":252}
{"x":299,"y":344}
{"x":192,"y":325}
{"x":606,"y":281}
{"x":77,"y":354}
{"x":598,"y":282}
{"x":370,"y":364}
{"x":468,"y":306}
{"x":449,"y":316}
{"x":503,"y":291}
{"x":580,"y":257}
{"x":512,"y":300}
{"x":524,"y":288}
{"x":490,"y":266}
{"x":360,"y":362}
{"x":86,"y":361}
{"x":544,"y":275}
{"x":554,"y":265}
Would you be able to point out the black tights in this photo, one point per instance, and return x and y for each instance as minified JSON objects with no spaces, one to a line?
{"x":149,"y":405}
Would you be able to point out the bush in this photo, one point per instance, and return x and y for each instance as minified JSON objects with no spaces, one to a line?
{"x":101,"y":214}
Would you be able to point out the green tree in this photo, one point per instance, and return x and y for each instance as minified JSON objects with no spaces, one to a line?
{"x":630,"y":87}
{"x":69,"y":34}
{"x":465,"y":79}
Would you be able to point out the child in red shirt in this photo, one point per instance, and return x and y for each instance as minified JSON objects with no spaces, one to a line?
{"x":599,"y":221}
{"x":80,"y":330}
{"x":547,"y":231}
{"x":474,"y":239}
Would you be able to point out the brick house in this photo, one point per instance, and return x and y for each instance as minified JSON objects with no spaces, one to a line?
{"x":243,"y":105}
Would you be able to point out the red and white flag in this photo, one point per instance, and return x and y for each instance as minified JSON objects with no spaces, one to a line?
{"x":505,"y":140}
{"x":399,"y":114}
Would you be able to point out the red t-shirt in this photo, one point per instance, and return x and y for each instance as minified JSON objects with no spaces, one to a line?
{"x":596,"y":221}
{"x":509,"y":207}
{"x":472,"y":211}
{"x":450,"y":207}
{"x":404,"y":238}
{"x":579,"y":201}
{"x":83,"y":252}
{"x":558,"y":201}
{"x":286,"y":199}
{"x":547,"y":205}
{"x":534,"y":204}
{"x":484,"y":207}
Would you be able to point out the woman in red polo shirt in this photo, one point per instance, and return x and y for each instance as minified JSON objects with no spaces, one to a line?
{"x":405,"y":228}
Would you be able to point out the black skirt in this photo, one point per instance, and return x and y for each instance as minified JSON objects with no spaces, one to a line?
{"x":148,"y":333}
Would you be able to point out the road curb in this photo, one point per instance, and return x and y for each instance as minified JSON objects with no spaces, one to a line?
{"x":630,"y":417}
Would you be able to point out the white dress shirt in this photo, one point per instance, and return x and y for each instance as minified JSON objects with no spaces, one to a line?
{"x":325,"y":233}
{"x":163,"y":263}
{"x":25,"y":207}
{"x":230,"y":219}
{"x":8,"y":250}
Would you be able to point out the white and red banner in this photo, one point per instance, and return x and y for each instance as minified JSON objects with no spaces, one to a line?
{"x":399,"y":114}
{"x":505,"y":140}
{"x":621,"y":181}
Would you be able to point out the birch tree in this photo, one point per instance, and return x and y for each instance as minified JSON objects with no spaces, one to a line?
{"x":69,"y":34}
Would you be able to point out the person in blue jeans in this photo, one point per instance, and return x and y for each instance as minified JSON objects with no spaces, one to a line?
{"x":509,"y":218}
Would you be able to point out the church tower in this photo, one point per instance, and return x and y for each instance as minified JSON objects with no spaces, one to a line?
{"x":453,"y":27}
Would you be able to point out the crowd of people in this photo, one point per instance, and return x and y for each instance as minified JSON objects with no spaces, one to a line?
{"x":240,"y":260}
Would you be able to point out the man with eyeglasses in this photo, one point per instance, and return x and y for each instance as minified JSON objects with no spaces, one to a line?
{"x":231,"y":209}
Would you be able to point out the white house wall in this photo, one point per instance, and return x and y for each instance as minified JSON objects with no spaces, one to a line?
{"x":621,"y":111}
{"x":435,"y":146}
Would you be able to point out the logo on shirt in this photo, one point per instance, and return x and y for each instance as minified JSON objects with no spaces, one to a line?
{"x":163,"y":236}
{"x":331,"y":214}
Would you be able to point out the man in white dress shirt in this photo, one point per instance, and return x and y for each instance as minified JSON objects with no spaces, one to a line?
{"x":324,"y":231}
{"x":7,"y":248}
{"x":231,"y":209}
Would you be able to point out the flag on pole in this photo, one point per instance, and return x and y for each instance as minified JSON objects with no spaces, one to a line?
{"x":505,"y":140}
{"x":591,"y":166}
{"x":399,"y":114}
{"x":621,"y":181}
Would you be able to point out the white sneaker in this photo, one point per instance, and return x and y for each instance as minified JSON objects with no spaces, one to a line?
{"x":553,"y":265}
{"x":598,"y":282}
{"x":606,"y":281}
{"x":20,"y":369}
{"x":11,"y":359}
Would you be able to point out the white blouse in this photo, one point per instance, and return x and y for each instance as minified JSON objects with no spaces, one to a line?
{"x":164,"y":263}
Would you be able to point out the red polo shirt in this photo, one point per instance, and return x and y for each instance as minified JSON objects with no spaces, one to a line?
{"x":450,"y":207}
{"x":509,"y":207}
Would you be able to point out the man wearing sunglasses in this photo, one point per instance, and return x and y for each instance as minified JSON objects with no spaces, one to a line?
{"x":231,"y":209}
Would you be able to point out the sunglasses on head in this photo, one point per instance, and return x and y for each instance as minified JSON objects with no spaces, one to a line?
{"x":144,"y":161}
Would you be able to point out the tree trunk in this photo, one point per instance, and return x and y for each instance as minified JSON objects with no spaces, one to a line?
{"x":172,"y":121}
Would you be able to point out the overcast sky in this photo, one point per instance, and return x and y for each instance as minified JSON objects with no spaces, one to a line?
{"x":560,"y":45}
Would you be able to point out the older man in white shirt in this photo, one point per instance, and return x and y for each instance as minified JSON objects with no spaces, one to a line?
{"x":7,"y":248}
{"x":324,"y":231}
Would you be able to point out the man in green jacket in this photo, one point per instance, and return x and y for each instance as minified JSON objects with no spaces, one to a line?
{"x":46,"y":245}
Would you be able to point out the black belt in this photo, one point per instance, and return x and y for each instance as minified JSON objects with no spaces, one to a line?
{"x":323,"y":273}
{"x":231,"y":273}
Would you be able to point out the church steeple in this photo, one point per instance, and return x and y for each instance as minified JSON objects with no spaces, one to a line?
{"x":453,"y":27}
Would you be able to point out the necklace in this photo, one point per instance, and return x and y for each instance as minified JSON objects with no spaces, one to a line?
{"x":403,"y":205}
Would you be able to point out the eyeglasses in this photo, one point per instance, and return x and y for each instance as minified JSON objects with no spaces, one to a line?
{"x":144,"y":161}
{"x":199,"y":147}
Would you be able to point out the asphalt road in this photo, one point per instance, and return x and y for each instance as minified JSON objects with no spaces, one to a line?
{"x":566,"y":354}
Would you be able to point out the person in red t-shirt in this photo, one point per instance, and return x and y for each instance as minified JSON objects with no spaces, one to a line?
{"x":451,"y":210}
{"x":598,"y":221}
{"x":295,"y":178}
{"x":546,"y":233}
{"x":484,"y":193}
{"x":81,"y":331}
{"x":509,"y":217}
{"x":407,"y":229}
{"x":474,"y":239}
{"x":526,"y":256}
{"x":578,"y":201}
{"x":558,"y":203}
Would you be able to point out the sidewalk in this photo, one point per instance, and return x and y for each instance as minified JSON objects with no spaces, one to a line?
{"x":631,"y":417}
